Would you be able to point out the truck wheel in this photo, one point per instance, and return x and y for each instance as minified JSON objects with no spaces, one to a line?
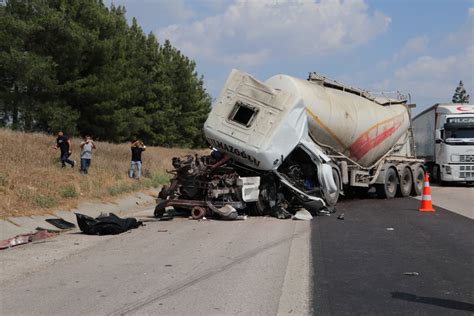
{"x":267,"y":193}
{"x":262,"y":206}
{"x":332,"y":198}
{"x":159,"y":211}
{"x":198,"y":212}
{"x":388,"y":189}
{"x":418,"y":181}
{"x":406,"y":182}
{"x":435,"y":175}
{"x":164,"y":192}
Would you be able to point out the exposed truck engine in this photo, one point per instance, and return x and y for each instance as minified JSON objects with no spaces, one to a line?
{"x":288,"y":143}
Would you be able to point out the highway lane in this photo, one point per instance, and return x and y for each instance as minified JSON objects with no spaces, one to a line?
{"x":175,"y":267}
{"x":260,"y":266}
{"x":359,"y":264}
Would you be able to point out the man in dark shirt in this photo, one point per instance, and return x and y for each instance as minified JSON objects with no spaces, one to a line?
{"x":64,"y":144}
{"x":137,"y":147}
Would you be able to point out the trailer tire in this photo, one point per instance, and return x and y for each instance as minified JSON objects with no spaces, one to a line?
{"x":388,"y":189}
{"x":406,"y":182}
{"x":418,"y":181}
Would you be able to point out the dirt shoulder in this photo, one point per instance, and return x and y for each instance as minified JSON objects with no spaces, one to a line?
{"x":32,"y":181}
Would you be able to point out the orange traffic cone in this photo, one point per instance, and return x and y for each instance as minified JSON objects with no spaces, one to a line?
{"x":426,"y":205}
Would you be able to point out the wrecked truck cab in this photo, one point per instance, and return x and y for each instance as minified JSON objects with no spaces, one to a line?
{"x":266,"y":131}
{"x":265,"y":163}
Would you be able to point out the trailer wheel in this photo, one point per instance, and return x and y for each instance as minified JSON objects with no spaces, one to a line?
{"x":418,"y":181}
{"x":406,"y":182}
{"x":332,"y":198}
{"x":388,"y":188}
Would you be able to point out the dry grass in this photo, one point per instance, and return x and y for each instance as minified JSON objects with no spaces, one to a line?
{"x":33,"y":182}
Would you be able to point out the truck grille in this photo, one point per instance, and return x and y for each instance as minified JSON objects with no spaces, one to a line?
{"x":466,"y":171}
{"x":466,"y":158}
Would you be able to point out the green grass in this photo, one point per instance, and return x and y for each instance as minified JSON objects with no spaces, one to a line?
{"x":69,"y":191}
{"x":120,"y":188}
{"x":45,"y":201}
{"x":149,"y":180}
{"x":39,"y":200}
{"x":3,"y":179}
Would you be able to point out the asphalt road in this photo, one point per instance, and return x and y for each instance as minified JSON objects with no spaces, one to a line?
{"x":360,"y":262}
{"x":260,"y":266}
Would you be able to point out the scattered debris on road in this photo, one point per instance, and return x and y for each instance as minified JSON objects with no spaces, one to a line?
{"x":60,"y":223}
{"x":341,"y":216}
{"x":106,"y":224}
{"x":411,"y":273}
{"x":390,"y":228}
{"x":303,"y":215}
{"x":26,"y":238}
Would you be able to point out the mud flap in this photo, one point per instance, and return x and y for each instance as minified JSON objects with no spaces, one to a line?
{"x":328,"y":180}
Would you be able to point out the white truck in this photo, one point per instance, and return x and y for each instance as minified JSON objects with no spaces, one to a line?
{"x":292,"y":143}
{"x":444,"y":137}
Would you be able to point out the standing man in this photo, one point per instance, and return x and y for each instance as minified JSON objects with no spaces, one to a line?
{"x":86,"y":153}
{"x":137,"y":147}
{"x":64,"y":144}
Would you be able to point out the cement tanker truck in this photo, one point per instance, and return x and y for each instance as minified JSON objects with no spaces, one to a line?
{"x":289,"y":143}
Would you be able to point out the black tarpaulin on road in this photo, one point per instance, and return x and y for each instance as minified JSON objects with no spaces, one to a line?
{"x":106,"y":225}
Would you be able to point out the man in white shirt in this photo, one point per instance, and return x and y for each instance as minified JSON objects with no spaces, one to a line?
{"x":86,"y":153}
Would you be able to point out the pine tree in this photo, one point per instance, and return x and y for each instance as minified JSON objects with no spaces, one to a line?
{"x":79,"y":66}
{"x":460,"y":95}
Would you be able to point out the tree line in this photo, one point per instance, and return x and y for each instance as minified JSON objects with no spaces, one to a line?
{"x":80,"y":67}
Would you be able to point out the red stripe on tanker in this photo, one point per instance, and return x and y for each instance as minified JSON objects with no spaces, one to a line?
{"x":368,"y":140}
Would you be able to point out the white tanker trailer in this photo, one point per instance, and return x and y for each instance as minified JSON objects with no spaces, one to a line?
{"x":293,"y":143}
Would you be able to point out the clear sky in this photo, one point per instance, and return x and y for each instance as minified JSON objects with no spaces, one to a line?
{"x":421,"y":47}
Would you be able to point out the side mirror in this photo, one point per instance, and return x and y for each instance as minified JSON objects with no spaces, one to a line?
{"x":438,"y":137}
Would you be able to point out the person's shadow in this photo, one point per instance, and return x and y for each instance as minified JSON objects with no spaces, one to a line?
{"x":452,"y":304}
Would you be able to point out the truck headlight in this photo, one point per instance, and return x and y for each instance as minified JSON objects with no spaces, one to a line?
{"x":455,"y":158}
